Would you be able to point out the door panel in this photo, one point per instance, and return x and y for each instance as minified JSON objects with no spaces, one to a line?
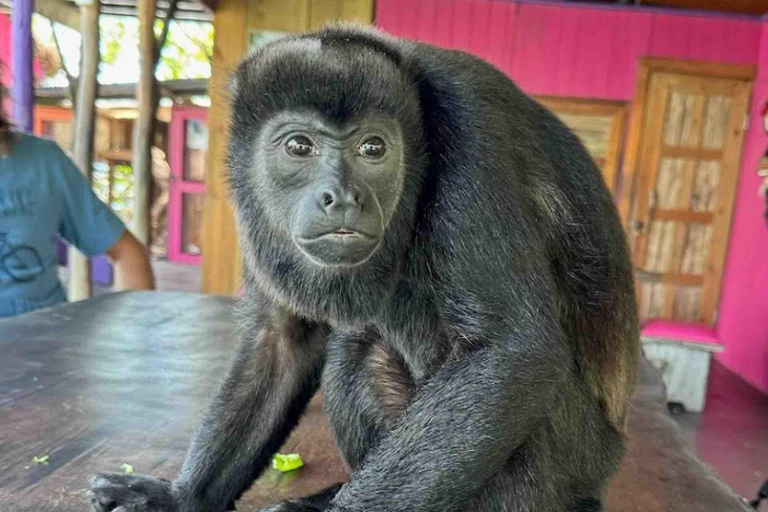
{"x":688,"y":170}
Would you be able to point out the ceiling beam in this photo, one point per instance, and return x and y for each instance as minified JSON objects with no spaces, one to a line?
{"x":60,"y":12}
{"x":754,"y":7}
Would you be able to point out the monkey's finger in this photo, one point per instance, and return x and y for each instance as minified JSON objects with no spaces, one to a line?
{"x":102,"y":479}
{"x":104,"y":499}
{"x":120,"y":498}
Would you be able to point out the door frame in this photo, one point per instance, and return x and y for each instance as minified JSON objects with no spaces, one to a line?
{"x":640,"y":114}
{"x":178,"y":187}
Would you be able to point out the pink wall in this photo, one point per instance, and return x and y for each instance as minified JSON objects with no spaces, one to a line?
{"x":743,"y":320}
{"x":570,"y":50}
{"x":5,"y":47}
{"x":591,"y":52}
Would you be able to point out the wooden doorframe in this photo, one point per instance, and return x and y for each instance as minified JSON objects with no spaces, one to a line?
{"x":616,"y":110}
{"x":645,"y":68}
{"x":636,"y":181}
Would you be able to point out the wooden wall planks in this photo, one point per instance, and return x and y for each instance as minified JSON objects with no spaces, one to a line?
{"x":567,"y":50}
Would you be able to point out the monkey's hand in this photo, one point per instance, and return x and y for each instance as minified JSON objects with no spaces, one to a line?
{"x":319,"y":502}
{"x":135,"y":493}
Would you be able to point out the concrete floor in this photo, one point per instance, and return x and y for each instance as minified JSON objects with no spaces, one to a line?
{"x":731,"y":434}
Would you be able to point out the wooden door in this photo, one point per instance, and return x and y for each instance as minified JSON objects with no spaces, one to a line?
{"x":688,"y":167}
{"x":188,"y":160}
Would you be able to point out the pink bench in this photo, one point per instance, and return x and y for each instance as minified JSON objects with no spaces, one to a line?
{"x":682,"y":353}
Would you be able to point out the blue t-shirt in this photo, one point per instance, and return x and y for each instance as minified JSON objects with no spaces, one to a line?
{"x":42,"y":195}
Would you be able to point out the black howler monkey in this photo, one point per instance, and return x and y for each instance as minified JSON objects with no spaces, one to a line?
{"x":440,"y":253}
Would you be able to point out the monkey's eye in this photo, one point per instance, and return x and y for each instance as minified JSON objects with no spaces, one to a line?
{"x":372,"y":147}
{"x":300,"y":146}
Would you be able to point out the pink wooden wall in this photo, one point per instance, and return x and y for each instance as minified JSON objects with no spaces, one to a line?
{"x":743,"y":320}
{"x":591,"y":52}
{"x":570,"y":50}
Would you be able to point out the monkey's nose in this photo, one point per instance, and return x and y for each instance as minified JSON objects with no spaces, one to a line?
{"x":333,"y":198}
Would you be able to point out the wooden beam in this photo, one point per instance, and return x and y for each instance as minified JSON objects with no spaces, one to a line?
{"x":169,"y":88}
{"x":23,"y":91}
{"x":221,"y":252}
{"x":143,"y":128}
{"x":755,"y":7}
{"x":85,"y":116}
{"x":60,"y":12}
{"x":148,"y":96}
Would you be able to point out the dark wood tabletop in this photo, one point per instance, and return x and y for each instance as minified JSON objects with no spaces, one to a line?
{"x":125,"y":378}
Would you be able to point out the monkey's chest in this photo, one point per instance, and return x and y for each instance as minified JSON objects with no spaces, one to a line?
{"x":390,"y":378}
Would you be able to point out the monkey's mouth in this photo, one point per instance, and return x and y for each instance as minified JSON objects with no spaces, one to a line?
{"x":341,"y":234}
{"x":341,"y":247}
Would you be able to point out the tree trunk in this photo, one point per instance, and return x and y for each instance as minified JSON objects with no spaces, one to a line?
{"x":85,"y":116}
{"x":144,"y":127}
{"x":23,"y":86}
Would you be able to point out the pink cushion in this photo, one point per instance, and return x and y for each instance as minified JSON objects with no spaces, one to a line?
{"x":671,"y":330}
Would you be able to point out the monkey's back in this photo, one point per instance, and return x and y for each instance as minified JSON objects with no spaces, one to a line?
{"x":520,"y":164}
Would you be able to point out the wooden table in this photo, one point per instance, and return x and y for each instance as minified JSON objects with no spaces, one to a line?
{"x":124,"y":378}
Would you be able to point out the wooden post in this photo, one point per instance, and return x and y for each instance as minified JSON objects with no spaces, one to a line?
{"x":221,"y":251}
{"x":85,"y":115}
{"x":143,"y":128}
{"x":23,"y":92}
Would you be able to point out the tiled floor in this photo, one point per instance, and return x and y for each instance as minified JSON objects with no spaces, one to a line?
{"x":731,"y":435}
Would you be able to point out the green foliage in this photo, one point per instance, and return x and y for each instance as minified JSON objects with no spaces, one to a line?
{"x":187,"y":52}
{"x":111,"y":35}
{"x":122,"y":192}
{"x":122,"y":188}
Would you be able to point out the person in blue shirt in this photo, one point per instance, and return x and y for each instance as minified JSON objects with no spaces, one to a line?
{"x":43,"y":195}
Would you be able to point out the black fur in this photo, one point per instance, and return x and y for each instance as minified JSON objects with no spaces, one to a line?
{"x":482,"y":358}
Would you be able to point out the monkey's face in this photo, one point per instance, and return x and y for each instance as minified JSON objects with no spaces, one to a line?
{"x":332,"y":188}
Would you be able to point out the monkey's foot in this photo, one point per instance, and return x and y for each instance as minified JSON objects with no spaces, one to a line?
{"x":129,"y":493}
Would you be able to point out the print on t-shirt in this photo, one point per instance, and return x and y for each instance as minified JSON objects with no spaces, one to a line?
{"x":21,"y":262}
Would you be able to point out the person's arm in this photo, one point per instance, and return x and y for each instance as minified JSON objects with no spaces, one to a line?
{"x":90,"y":225}
{"x":131,"y":261}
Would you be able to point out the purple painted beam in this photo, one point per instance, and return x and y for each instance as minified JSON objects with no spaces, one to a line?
{"x":23,"y":91}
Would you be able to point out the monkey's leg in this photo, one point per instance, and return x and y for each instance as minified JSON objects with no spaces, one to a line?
{"x":275,"y":372}
{"x":458,"y":432}
{"x":535,"y":478}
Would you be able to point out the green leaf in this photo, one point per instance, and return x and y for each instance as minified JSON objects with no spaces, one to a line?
{"x":127,"y":468}
{"x":287,"y":462}
{"x":41,"y":460}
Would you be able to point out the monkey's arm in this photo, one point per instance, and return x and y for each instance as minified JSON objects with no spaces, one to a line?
{"x":459,"y":431}
{"x":275,"y":372}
